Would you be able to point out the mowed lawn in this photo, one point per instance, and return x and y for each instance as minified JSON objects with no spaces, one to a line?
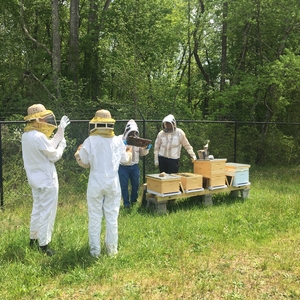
{"x":235,"y":249}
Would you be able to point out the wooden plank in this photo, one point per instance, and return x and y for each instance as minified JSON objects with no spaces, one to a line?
{"x":160,"y":203}
{"x":183,"y":195}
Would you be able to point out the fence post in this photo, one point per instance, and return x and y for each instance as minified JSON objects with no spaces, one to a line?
{"x":1,"y":171}
{"x":235,"y":137}
{"x":144,"y":135}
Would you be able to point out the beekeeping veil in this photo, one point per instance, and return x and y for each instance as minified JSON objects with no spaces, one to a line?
{"x":40,"y":119}
{"x":131,"y":129}
{"x":169,"y":119}
{"x":102,"y":124}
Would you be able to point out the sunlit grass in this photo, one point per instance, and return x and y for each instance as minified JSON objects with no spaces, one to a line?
{"x":233,"y":250}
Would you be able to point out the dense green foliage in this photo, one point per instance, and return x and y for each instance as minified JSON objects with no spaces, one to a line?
{"x":198,"y":59}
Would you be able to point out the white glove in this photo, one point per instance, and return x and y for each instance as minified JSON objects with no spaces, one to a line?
{"x":194,"y":158}
{"x":156,"y":163}
{"x":64,"y":122}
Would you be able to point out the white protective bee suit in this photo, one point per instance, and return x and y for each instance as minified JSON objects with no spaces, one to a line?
{"x":102,"y":152}
{"x":39,"y":155}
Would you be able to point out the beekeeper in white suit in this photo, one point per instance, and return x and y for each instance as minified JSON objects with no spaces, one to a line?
{"x":39,"y":155}
{"x":168,"y":144}
{"x":102,"y":152}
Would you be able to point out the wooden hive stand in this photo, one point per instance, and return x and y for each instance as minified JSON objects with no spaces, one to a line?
{"x":159,"y":202}
{"x":210,"y":177}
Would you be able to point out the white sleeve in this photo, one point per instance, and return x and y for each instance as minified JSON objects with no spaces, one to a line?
{"x":157,"y":147}
{"x":126,"y":155}
{"x":187,"y":146}
{"x":143,"y":151}
{"x":79,"y":161}
{"x":83,"y":155}
{"x":52,"y":153}
{"x":58,"y":137}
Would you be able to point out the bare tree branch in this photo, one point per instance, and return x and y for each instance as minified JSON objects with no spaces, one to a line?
{"x":27,"y":32}
{"x":29,"y":74}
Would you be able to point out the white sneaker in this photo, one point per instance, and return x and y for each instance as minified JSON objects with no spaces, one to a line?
{"x":95,"y":255}
{"x":111,"y":250}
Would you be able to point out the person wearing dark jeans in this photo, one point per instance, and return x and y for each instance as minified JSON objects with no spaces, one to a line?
{"x":129,"y":172}
{"x":168,"y":165}
{"x":132,"y":174}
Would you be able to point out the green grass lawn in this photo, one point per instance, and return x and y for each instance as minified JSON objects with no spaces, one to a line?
{"x":234,"y":249}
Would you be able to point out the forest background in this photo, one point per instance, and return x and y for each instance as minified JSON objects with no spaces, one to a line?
{"x":200,"y":60}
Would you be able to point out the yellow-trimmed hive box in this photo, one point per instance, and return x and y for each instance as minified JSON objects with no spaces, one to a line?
{"x":239,"y":173}
{"x":191,"y":181}
{"x":167,"y":184}
{"x":213,"y":170}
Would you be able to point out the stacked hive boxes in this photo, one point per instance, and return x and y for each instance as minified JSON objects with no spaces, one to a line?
{"x":213,"y":171}
{"x":207,"y":173}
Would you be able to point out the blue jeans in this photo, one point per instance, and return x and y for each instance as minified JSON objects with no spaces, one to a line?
{"x":131,"y":173}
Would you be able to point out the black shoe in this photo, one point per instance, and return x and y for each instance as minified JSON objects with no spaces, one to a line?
{"x":47,"y":250}
{"x":33,"y":243}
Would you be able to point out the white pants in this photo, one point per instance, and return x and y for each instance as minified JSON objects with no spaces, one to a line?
{"x":43,"y":213}
{"x":104,"y":199}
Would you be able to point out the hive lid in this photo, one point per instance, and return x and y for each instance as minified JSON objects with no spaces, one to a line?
{"x":165,"y":177}
{"x":237,"y":165}
{"x":212,"y":160}
{"x":189,"y":174}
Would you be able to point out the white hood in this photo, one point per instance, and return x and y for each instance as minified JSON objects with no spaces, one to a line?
{"x":130,"y":126}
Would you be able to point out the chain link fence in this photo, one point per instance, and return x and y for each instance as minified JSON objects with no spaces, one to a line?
{"x":249,"y":143}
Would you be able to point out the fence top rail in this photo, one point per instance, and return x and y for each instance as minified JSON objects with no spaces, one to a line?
{"x":178,"y":121}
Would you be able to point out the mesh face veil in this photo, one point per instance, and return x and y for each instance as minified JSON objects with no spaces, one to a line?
{"x":94,"y":126}
{"x":131,"y":129}
{"x":50,"y":119}
{"x":102,"y":124}
{"x":40,"y":119}
{"x":169,"y":124}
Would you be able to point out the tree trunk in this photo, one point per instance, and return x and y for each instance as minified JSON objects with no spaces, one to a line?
{"x":73,"y":44}
{"x":56,"y":55}
{"x":224,"y":48}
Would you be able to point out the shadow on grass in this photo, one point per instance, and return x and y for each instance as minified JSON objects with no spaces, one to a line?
{"x":67,"y":260}
{"x":196,"y":202}
{"x":62,"y":261}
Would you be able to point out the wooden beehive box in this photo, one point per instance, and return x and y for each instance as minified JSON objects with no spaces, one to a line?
{"x":214,"y":170}
{"x":238,"y":172}
{"x":191,"y":181}
{"x":170,"y":183}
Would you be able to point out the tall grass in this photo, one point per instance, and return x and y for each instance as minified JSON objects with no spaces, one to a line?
{"x":233,"y":250}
